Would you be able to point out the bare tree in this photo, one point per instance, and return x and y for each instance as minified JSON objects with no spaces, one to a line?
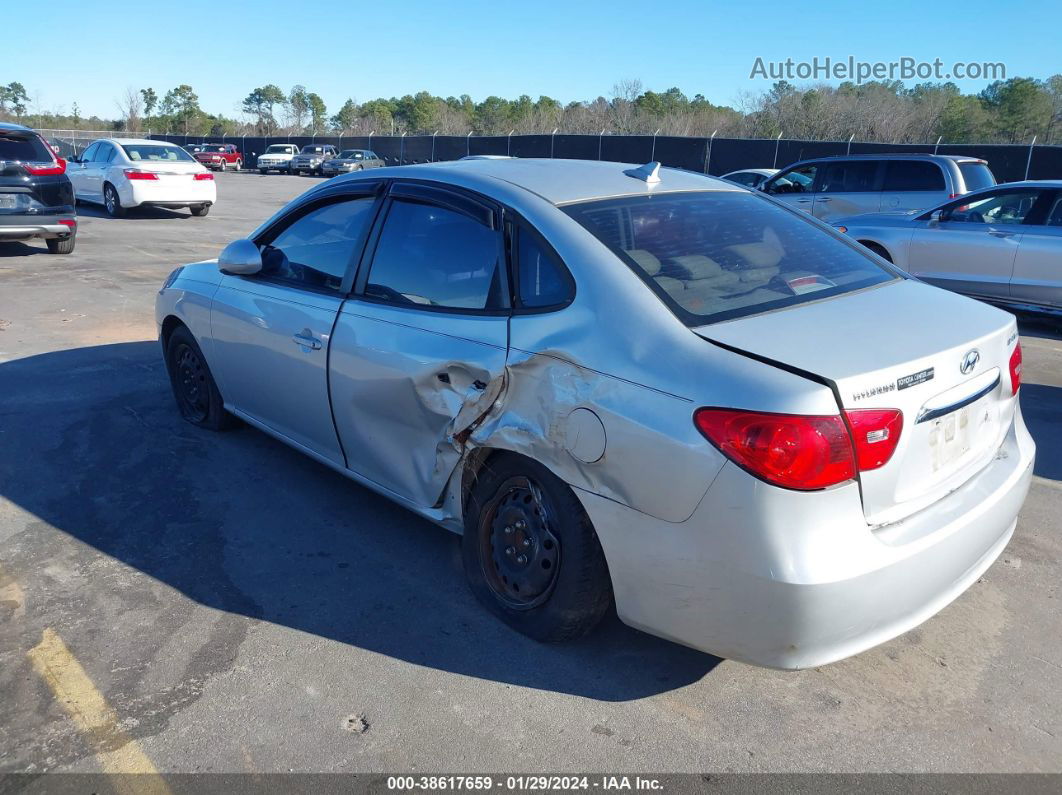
{"x":131,"y":106}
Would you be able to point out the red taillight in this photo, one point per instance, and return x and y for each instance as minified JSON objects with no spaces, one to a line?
{"x":204,"y":175}
{"x":136,"y":173}
{"x":875,"y":432}
{"x":789,"y":450}
{"x":46,"y":169}
{"x":68,"y":222}
{"x":1015,"y":369}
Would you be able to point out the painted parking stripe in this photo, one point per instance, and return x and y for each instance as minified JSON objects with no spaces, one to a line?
{"x":94,"y":717}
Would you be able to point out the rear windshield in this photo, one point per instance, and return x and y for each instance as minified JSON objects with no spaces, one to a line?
{"x":155,"y":152}
{"x":23,"y":147}
{"x":977,"y":176}
{"x":351,"y":154}
{"x":712,"y":256}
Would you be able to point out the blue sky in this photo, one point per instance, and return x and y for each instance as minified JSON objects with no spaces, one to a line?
{"x":570,"y":50}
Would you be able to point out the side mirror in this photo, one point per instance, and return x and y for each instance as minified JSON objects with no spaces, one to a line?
{"x":73,"y":159}
{"x":240,"y":258}
{"x":936,"y":217}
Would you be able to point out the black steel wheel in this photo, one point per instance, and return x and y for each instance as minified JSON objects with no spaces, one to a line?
{"x":530,"y":551}
{"x":194,"y":389}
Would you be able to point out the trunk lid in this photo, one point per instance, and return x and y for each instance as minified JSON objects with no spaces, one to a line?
{"x":904,"y":345}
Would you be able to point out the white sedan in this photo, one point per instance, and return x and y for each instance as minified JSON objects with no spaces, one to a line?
{"x":121,"y":173}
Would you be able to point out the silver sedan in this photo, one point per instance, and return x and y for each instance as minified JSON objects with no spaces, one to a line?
{"x":625,"y":385}
{"x":1002,"y":244}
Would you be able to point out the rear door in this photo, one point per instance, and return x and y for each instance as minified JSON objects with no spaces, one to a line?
{"x":1037,"y":277}
{"x":912,"y":185}
{"x":419,"y":351}
{"x":972,"y":248}
{"x":848,"y":187}
{"x":271,"y":331}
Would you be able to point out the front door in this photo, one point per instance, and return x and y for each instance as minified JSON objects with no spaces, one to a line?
{"x":972,"y":248}
{"x":271,"y":331}
{"x":418,"y":354}
{"x":848,"y":187}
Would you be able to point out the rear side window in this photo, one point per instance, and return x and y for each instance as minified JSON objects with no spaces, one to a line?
{"x":316,"y":249}
{"x":543,"y":281}
{"x":912,"y":175}
{"x":977,"y":176}
{"x":27,"y":148}
{"x":434,"y":256}
{"x":854,"y":176}
{"x":712,"y":256}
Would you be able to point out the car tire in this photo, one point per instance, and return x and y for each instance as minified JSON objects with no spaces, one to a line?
{"x":263,"y":171}
{"x":61,"y":245}
{"x":519,"y":521}
{"x":222,"y":165}
{"x":238,"y":165}
{"x":194,"y":388}
{"x":200,"y":210}
{"x":111,"y":201}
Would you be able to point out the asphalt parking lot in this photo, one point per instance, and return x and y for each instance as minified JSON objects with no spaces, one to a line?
{"x":236,"y":607}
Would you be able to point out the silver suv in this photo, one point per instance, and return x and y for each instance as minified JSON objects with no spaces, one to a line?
{"x":833,"y":187}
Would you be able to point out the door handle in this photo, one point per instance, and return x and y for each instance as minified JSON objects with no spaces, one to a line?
{"x":307,"y":340}
{"x":825,"y":199}
{"x":803,"y":201}
{"x":1000,"y":233}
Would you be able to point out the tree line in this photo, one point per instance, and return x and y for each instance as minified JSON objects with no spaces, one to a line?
{"x":1007,"y":111}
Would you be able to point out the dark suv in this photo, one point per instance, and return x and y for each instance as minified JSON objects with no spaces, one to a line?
{"x":36,"y":197}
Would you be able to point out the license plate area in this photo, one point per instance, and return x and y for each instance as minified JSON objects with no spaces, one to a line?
{"x":954,"y":437}
{"x":8,"y":201}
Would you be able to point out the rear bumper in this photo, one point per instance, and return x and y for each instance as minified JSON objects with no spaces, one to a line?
{"x":790,"y":580}
{"x":23,"y":227}
{"x":163,"y":193}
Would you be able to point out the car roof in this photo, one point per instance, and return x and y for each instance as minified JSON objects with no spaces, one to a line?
{"x":566,"y":181}
{"x":898,"y":156}
{"x":124,"y":141}
{"x":11,"y":127}
{"x":767,"y":172}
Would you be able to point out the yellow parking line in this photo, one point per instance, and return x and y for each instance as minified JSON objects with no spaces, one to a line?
{"x":94,"y":717}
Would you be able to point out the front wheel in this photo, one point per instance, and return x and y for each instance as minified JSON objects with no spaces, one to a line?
{"x":238,"y":165}
{"x":263,"y":171}
{"x":222,"y":165}
{"x":197,"y":395}
{"x":111,"y":203}
{"x":530,"y":553}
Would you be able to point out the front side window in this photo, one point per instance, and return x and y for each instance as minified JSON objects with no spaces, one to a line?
{"x":852,"y":176}
{"x":799,"y":180}
{"x":156,"y":152}
{"x":1054,"y":217}
{"x":1001,"y":208}
{"x":715,"y":255}
{"x":542,"y":279}
{"x":913,"y":175}
{"x":435,"y":256}
{"x":316,"y":249}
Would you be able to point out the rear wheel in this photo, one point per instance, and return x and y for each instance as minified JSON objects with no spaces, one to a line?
{"x":197,"y":395}
{"x":61,"y":245}
{"x":200,"y":210}
{"x":222,"y":165}
{"x":239,"y":165}
{"x":530,"y":553}
{"x":263,"y":171}
{"x":111,"y":203}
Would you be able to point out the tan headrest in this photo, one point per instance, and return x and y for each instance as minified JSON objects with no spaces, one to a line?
{"x":761,"y":255}
{"x":699,"y":266}
{"x":646,"y":261}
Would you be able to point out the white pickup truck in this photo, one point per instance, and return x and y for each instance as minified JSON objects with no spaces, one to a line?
{"x":277,"y":158}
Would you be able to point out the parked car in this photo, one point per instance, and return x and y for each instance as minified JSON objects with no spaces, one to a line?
{"x":750,"y":177}
{"x":277,"y":157}
{"x":831,"y":187}
{"x":220,"y":157}
{"x":122,"y":173}
{"x":311,"y":157}
{"x":192,"y":148}
{"x":36,"y":198}
{"x":351,"y":160}
{"x":1001,"y":244}
{"x":797,"y":452}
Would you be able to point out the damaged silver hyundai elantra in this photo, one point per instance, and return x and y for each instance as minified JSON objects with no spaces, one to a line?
{"x":625,"y":385}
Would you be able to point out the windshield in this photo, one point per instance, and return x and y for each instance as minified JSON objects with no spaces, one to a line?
{"x":215,"y":148}
{"x":350,"y":154}
{"x":278,"y":149}
{"x":977,"y":176}
{"x":312,"y":150}
{"x":712,"y":256}
{"x":156,"y":152}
